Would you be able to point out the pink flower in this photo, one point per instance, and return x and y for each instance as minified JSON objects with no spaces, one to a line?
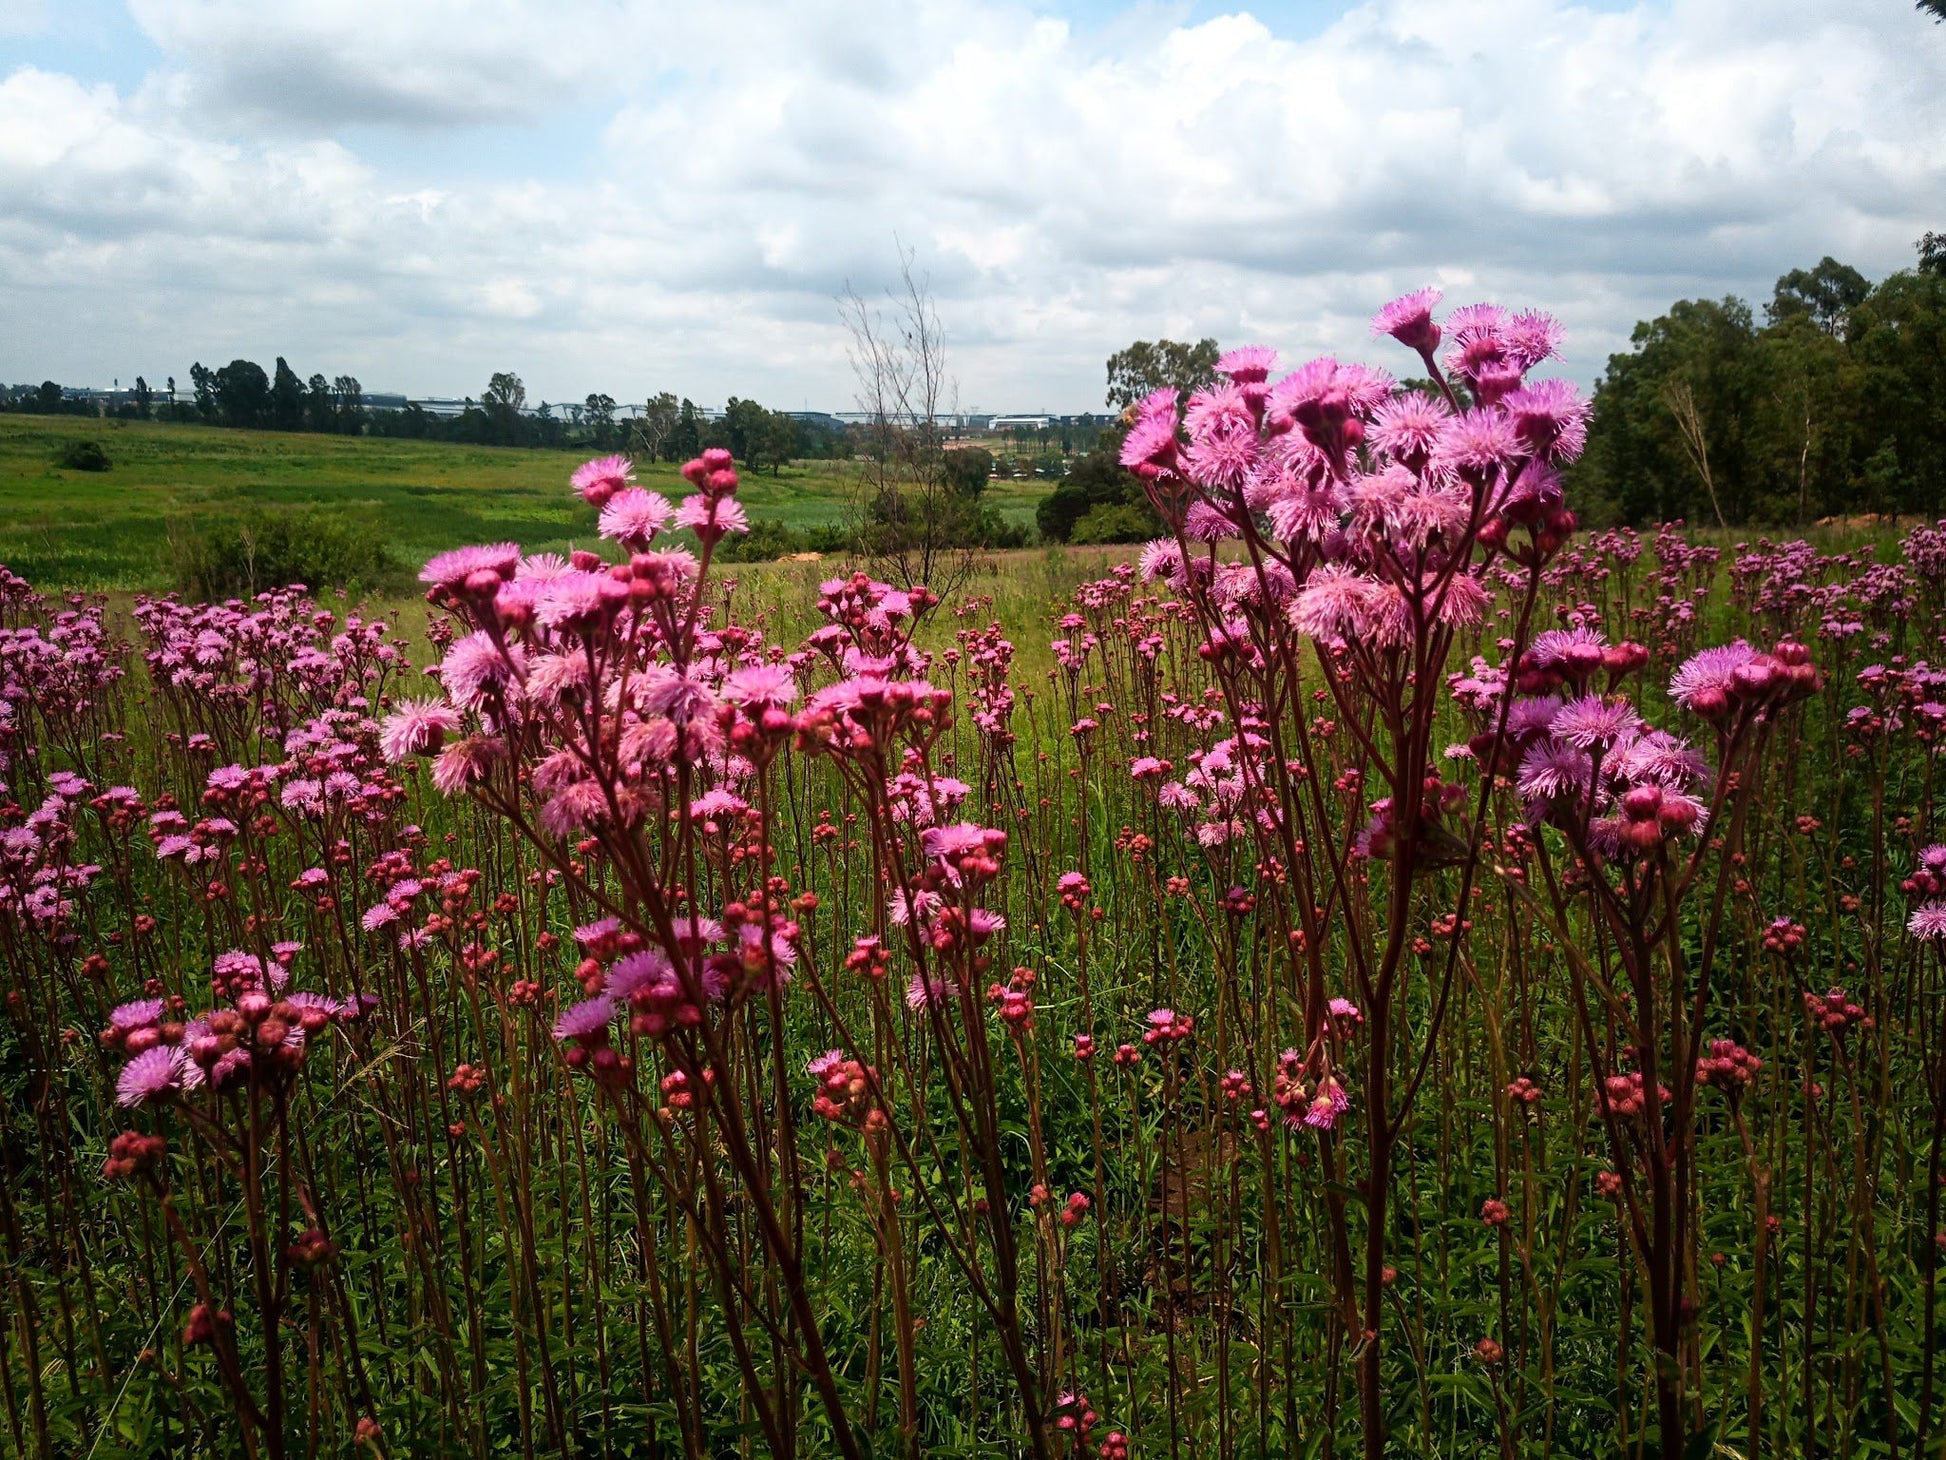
{"x":634,"y":516}
{"x":456,"y":570}
{"x":577,"y":600}
{"x":586,"y":1021}
{"x":417,"y":727}
{"x":1407,"y":427}
{"x":1150,"y":447}
{"x":1333,"y":603}
{"x":1408,"y":319}
{"x":1706,"y":681}
{"x":466,"y":763}
{"x":710,"y":517}
{"x":1250,"y":365}
{"x":1477,"y":443}
{"x":601,"y":479}
{"x":1550,"y":417}
{"x":475,"y":668}
{"x":1592,"y":721}
{"x":924,"y":992}
{"x":761,"y":685}
{"x":152,"y":1075}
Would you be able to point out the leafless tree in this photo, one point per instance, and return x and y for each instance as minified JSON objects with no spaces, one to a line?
{"x":906,"y":513}
{"x":1681,"y":401}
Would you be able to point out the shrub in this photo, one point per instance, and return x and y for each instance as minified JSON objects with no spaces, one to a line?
{"x":83,"y":456}
{"x":769,"y":540}
{"x":1113,"y":522}
{"x":276,"y":547}
{"x":1096,"y":480}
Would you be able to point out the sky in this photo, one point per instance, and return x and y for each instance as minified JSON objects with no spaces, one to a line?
{"x":638,"y":195}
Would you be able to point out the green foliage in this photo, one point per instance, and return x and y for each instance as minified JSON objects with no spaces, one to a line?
{"x":265,"y":548}
{"x":1096,"y":482}
{"x":768,"y":540}
{"x":1114,"y":522}
{"x":1149,"y":365}
{"x":756,"y":437}
{"x":83,"y":456}
{"x":968,"y":470}
{"x":1835,"y":405}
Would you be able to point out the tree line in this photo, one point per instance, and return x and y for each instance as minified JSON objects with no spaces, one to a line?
{"x":1832,"y":403}
{"x":243,"y":396}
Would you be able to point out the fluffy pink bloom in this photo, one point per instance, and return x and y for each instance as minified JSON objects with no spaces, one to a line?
{"x":1710,"y":672}
{"x":1408,"y":319}
{"x":1477,"y":443}
{"x":1162,"y":559}
{"x":1550,"y":417}
{"x":1552,"y":769}
{"x":1222,"y":461}
{"x":475,"y":669}
{"x":417,"y":727}
{"x":924,"y":992}
{"x":762,"y":685}
{"x":137,"y":1015}
{"x":586,"y":1020}
{"x":634,"y":516}
{"x":1928,"y":922}
{"x":575,"y":600}
{"x":152,"y":1075}
{"x":601,"y":479}
{"x":1250,"y":365}
{"x":452,"y":570}
{"x":1407,"y":427}
{"x":1466,"y":602}
{"x":1333,"y":603}
{"x":710,"y":517}
{"x":466,"y":763}
{"x":1531,"y":337}
{"x":1592,"y":721}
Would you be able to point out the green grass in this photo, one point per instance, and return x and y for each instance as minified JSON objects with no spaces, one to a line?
{"x":64,"y":529}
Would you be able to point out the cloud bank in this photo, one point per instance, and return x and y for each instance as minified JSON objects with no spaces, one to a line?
{"x":631,"y":196}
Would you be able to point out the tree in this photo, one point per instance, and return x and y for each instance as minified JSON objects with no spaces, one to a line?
{"x":915,"y":530}
{"x":242,"y":394}
{"x":655,"y":428}
{"x":47,"y":399}
{"x":1827,"y":293}
{"x":1666,"y":434}
{"x":203,"y":381}
{"x":350,"y":396}
{"x":1897,"y":390}
{"x":686,"y":441}
{"x":1932,"y":249}
{"x":777,"y":436}
{"x":144,"y":398}
{"x":318,"y":411}
{"x":504,"y":399}
{"x":741,"y":428}
{"x":1145,"y":367}
{"x":1097,"y":486}
{"x":969,"y":469}
{"x":286,"y":398}
{"x":598,"y":415}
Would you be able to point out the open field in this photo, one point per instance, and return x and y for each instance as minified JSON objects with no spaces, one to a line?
{"x":111,"y":530}
{"x":740,"y":1024}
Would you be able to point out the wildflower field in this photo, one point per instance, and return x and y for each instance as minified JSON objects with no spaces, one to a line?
{"x":1388,"y":972}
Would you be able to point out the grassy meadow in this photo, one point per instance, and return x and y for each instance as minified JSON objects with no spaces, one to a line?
{"x":112,"y":530}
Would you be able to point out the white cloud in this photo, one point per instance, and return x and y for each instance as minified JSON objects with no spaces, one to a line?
{"x":1067,"y":190}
